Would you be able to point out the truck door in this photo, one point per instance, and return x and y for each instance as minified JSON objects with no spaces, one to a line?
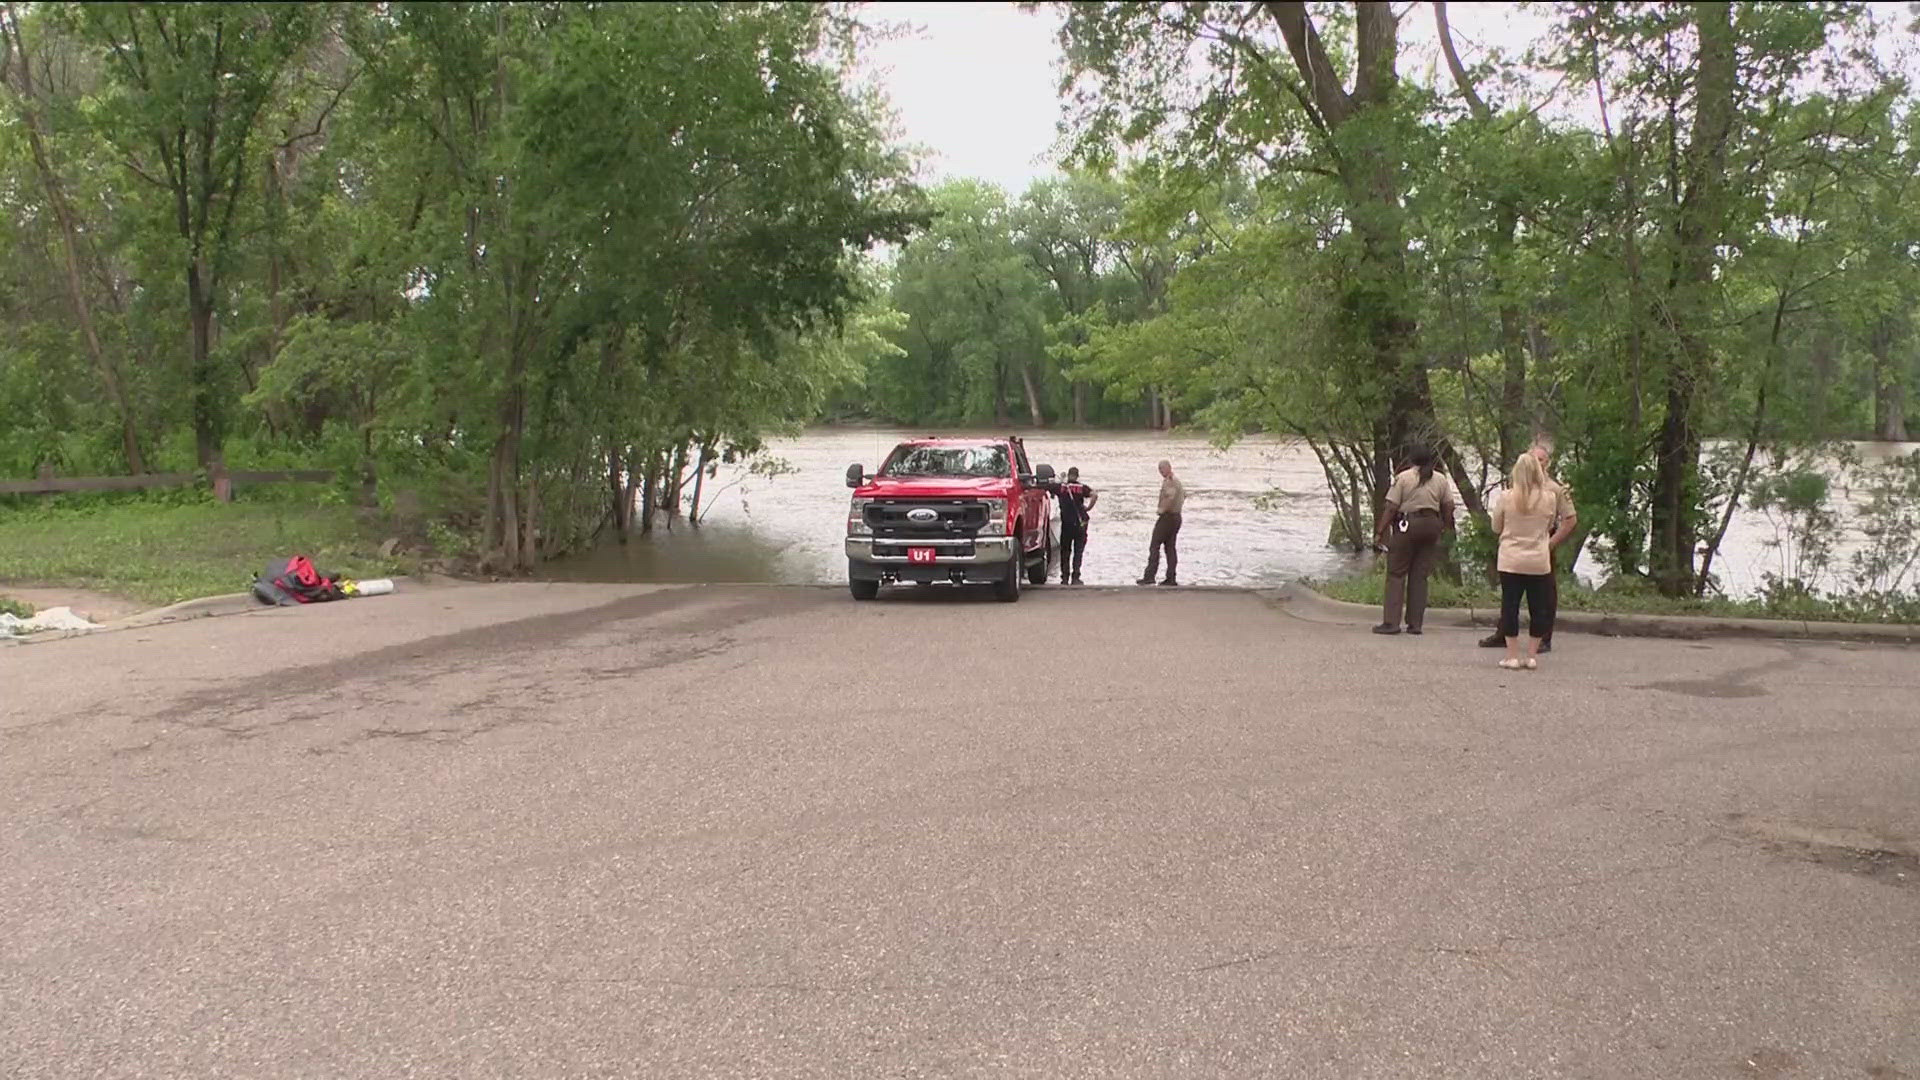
{"x":1034,"y":501}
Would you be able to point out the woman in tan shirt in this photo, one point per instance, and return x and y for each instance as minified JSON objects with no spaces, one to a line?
{"x":1524,"y":522}
{"x":1419,"y":508}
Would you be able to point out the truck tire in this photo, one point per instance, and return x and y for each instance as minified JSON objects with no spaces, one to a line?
{"x":1037,"y":572}
{"x":1008,"y":589}
{"x":863,"y":590}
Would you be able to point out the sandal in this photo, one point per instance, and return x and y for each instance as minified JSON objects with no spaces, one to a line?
{"x":1512,"y":664}
{"x":1532,"y":664}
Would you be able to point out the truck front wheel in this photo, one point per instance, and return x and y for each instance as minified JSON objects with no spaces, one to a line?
{"x":863,"y":590}
{"x":1037,"y":572}
{"x":1008,"y":588}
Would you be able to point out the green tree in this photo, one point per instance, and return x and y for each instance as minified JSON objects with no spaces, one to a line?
{"x":1273,"y":92}
{"x":186,"y":86}
{"x":976,"y":315}
{"x":635,"y":209}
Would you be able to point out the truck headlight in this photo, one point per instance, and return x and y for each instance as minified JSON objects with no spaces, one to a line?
{"x":996,"y":516}
{"x":857,"y":518}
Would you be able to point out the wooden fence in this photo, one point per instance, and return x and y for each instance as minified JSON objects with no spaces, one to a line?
{"x":222,"y":480}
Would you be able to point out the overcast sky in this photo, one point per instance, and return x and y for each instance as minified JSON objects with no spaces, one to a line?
{"x":976,"y":83}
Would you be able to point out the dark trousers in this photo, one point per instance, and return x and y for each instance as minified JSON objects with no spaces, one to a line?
{"x":1410,"y":559}
{"x":1553,"y":597}
{"x":1553,"y":602}
{"x":1541,"y":599}
{"x":1073,"y":543}
{"x":1166,"y":529}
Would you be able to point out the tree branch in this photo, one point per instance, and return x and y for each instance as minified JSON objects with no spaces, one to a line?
{"x":320,"y":123}
{"x":1292,"y":85}
{"x":1377,"y":38}
{"x":1460,"y":77}
{"x":1310,"y":56}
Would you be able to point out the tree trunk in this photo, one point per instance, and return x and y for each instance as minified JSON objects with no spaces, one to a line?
{"x":506,"y":460}
{"x":649,"y":491}
{"x":506,"y":483}
{"x":699,"y":483}
{"x":1463,"y":479}
{"x":1033,"y":395}
{"x":1826,"y":372}
{"x":1628,"y":535}
{"x":617,"y":487}
{"x":530,"y":526}
{"x":206,"y":405}
{"x":369,"y":470}
{"x":1675,"y":486}
{"x":676,"y":485}
{"x":1377,"y":303}
{"x":1889,"y":382}
{"x":1698,"y":229}
{"x":1516,"y":425}
{"x":1079,"y":404}
{"x":490,"y":526}
{"x":1754,"y":432}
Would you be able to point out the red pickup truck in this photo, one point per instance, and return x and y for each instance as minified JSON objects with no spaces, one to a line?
{"x":966,"y":511}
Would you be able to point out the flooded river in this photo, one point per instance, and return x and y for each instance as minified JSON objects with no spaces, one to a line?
{"x":788,"y":529}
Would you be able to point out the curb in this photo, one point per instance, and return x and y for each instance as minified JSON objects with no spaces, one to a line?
{"x":225,"y":604}
{"x":1307,"y":603}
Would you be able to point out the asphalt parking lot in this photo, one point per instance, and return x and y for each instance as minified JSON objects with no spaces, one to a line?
{"x":570,"y":830}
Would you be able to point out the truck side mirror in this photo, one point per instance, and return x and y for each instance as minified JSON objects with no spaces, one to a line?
{"x":856,"y":475}
{"x":1044,"y":473}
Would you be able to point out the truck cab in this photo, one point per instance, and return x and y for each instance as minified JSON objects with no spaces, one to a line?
{"x":959,"y":511}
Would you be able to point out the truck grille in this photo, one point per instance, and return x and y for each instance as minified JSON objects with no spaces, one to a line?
{"x":953,"y":518}
{"x":899,"y":548}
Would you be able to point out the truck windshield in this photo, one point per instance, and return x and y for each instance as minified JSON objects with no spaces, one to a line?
{"x":947,"y":461}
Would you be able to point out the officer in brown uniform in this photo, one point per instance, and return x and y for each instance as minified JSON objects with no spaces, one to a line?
{"x":1166,"y":528}
{"x":1563,"y":514}
{"x":1419,"y":509}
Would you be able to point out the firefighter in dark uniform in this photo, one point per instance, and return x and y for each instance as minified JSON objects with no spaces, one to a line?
{"x":1076,"y":503}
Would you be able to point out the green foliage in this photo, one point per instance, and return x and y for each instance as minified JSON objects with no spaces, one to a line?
{"x":1794,"y":499}
{"x":497,"y":262}
{"x":1772,"y":603}
{"x":1719,"y":274}
{"x":177,"y":546}
{"x":1000,"y":299}
{"x":511,"y":268}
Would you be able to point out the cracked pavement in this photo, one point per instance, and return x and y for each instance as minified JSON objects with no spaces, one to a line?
{"x":533,"y":830}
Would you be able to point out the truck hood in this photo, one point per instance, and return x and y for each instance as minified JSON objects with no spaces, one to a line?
{"x":935,"y":487}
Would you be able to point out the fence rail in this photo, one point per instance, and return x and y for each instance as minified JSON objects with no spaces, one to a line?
{"x":223,"y":481}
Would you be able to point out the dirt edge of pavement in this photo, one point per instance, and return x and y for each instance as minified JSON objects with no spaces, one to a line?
{"x":1294,"y":598}
{"x":1300,"y":600}
{"x":200,"y":608}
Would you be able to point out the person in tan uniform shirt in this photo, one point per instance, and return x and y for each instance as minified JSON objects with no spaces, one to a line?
{"x":1524,"y":521}
{"x":1419,"y":509}
{"x":1565,"y":519}
{"x":1166,"y":527}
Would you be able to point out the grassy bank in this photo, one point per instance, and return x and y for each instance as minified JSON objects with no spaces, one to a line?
{"x":1370,"y":588}
{"x":162,"y":549}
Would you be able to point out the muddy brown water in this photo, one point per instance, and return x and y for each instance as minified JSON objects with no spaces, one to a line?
{"x":789,"y":529}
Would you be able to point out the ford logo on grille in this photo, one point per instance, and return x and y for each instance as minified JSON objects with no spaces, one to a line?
{"x":921,"y":515}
